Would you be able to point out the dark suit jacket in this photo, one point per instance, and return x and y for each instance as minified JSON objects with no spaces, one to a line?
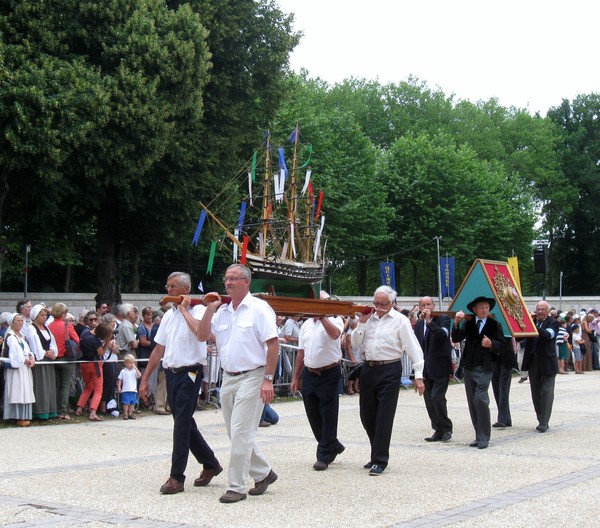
{"x":543,"y":347}
{"x":436,"y":346}
{"x":474,"y":355}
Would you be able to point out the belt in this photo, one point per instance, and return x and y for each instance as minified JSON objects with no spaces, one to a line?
{"x":191,"y":368}
{"x":379,"y":363}
{"x":236,"y":373}
{"x":319,"y":370}
{"x":241,"y":371}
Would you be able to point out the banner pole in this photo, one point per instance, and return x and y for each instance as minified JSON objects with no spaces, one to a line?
{"x":439,"y":266}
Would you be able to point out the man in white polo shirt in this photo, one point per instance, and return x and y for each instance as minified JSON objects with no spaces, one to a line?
{"x":183,"y":358}
{"x":318,"y":361}
{"x":246,"y":337}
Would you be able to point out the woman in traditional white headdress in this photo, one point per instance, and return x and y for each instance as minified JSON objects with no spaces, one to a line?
{"x":43,"y":345}
{"x":18,"y":388}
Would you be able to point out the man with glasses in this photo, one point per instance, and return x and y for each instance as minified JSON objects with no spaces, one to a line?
{"x":246,"y":337}
{"x":183,"y":356}
{"x":385,"y":335}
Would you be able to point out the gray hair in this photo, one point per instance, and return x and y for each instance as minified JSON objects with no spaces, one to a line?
{"x":244,"y":270}
{"x":125,"y":308}
{"x":391,"y":294}
{"x":183,"y":279}
{"x":108,"y":318}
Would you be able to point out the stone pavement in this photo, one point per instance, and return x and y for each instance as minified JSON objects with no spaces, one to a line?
{"x":108,"y":474}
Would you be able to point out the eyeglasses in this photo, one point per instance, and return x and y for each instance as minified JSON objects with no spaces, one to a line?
{"x":375,"y":303}
{"x":92,"y":319}
{"x":232,"y":279}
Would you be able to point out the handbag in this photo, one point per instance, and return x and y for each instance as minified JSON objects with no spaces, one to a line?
{"x":72,"y":350}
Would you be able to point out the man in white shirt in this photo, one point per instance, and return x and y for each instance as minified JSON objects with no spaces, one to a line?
{"x":246,"y":337}
{"x":385,"y":336}
{"x":183,"y":358}
{"x":318,"y":360}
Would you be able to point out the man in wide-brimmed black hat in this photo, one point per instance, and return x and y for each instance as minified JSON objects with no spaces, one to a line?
{"x":484,"y":340}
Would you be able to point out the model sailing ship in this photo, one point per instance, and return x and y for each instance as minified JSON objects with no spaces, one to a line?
{"x":279,"y":232}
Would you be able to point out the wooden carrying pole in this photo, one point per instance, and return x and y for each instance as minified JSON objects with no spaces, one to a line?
{"x":288,"y":306}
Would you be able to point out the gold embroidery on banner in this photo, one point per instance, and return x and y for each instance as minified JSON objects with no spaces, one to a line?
{"x":509,"y":297}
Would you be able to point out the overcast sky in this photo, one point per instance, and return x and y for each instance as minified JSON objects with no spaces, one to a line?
{"x":528,"y":53}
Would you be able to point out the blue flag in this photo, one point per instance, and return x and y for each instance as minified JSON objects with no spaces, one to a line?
{"x":282,"y":164}
{"x":388,"y":274}
{"x":199,"y":228}
{"x":447,"y":273}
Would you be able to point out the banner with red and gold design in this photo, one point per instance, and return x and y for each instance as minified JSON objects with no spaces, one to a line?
{"x":491,"y":278}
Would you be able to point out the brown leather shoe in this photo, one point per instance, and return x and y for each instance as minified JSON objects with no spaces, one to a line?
{"x":207,"y":475}
{"x":231,"y":496}
{"x":319,"y":465}
{"x":260,"y":487}
{"x":171,"y":487}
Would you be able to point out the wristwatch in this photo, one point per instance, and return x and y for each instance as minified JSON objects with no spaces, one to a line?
{"x":269,"y":377}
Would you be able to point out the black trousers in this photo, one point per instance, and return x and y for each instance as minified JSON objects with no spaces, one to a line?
{"x":477,"y":385}
{"x":435,"y":403}
{"x":542,"y":392}
{"x":182,"y":394}
{"x":501,"y":381}
{"x":379,"y":388}
{"x":321,"y":399}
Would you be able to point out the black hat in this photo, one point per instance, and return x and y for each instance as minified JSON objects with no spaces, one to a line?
{"x":492,"y":302}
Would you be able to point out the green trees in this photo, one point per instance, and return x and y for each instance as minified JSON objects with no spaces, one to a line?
{"x":102,"y":113}
{"x":574,"y":200}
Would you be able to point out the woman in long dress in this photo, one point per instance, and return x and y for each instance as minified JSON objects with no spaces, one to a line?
{"x":18,"y":388}
{"x":43,"y":345}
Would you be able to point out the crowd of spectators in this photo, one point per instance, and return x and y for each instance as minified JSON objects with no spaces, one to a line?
{"x":38,"y":382}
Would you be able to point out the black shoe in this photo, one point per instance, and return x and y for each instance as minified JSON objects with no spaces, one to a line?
{"x":499,"y":425}
{"x":436,"y":437}
{"x":446,"y":436}
{"x":482,"y":445}
{"x":474,"y":444}
{"x":541,"y":428}
{"x":375,"y":470}
{"x":338,"y":452}
{"x":319,"y":465}
{"x":368,"y":465}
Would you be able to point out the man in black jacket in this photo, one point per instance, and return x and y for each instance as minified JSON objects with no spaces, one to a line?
{"x":484,"y":340}
{"x":433,"y":334}
{"x":542,"y":363}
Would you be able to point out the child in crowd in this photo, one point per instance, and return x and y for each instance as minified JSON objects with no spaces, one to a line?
{"x":127,"y":386}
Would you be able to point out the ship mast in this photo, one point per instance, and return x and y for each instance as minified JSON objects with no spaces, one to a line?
{"x":293,"y":204}
{"x":266,"y":198}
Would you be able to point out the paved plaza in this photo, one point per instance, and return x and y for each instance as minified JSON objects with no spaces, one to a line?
{"x":107,"y":474}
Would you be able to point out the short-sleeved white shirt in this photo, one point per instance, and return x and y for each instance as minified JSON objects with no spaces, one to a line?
{"x":319,"y":349}
{"x":182,"y":348}
{"x":241,"y":334}
{"x":128,"y":380}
